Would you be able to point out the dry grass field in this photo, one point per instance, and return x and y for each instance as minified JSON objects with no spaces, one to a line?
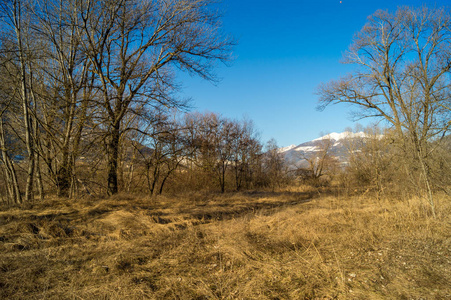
{"x":261,"y":245}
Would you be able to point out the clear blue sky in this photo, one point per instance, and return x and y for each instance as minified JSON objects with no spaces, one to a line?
{"x":286,"y":48}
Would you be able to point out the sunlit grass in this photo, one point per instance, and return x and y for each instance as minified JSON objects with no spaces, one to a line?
{"x":284,"y":245}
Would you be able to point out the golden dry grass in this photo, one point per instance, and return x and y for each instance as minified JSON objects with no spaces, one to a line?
{"x":284,"y":245}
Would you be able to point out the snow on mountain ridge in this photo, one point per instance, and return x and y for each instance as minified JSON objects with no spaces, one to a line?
{"x":306,"y":148}
{"x":340,"y":136}
{"x":285,"y":149}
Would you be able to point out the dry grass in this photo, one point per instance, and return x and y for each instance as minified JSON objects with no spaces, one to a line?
{"x":284,"y":245}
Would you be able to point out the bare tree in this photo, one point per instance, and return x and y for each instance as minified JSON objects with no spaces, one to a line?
{"x":319,"y":163}
{"x":16,"y":19}
{"x":246,"y":150}
{"x":164,"y":149}
{"x":274,"y":165}
{"x":133,"y":47}
{"x":223,"y":149}
{"x":373,"y":162}
{"x":213,"y":143}
{"x":10,"y":175}
{"x":404,"y":61}
{"x":177,"y":147}
{"x":65,"y":89}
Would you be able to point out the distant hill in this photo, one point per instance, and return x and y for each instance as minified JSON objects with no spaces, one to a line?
{"x":294,"y":154}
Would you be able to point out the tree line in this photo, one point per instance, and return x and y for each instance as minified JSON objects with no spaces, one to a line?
{"x":76,"y":74}
{"x":200,"y":151}
{"x":89,"y":103}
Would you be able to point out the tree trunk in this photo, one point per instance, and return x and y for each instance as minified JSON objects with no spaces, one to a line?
{"x":222,"y":171}
{"x":152,"y":183}
{"x":63,"y":179}
{"x":113,"y":157}
{"x":25,"y":102}
{"x":64,"y":173}
{"x":12,"y":184}
{"x":77,"y":137}
{"x":162,"y":184}
{"x":170,"y":170}
{"x":39,"y":182}
{"x":238,"y":175}
{"x":426,"y":179}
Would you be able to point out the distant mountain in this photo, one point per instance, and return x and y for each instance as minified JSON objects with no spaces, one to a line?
{"x":294,"y":155}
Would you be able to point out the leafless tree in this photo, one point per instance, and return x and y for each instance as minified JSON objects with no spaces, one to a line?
{"x":10,"y":175}
{"x":226,"y":150}
{"x":66,"y":89}
{"x":404,"y":60}
{"x":373,"y":162}
{"x":133,"y":47}
{"x":274,"y":166}
{"x":164,"y":149}
{"x":15,"y":23}
{"x":213,"y":143}
{"x":246,"y":151}
{"x":319,"y":163}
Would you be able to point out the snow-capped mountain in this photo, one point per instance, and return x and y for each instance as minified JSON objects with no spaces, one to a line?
{"x":295,"y":155}
{"x":341,"y":136}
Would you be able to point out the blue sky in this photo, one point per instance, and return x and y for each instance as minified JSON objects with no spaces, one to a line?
{"x":285,"y":49}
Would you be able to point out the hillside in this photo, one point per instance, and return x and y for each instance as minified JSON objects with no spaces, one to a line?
{"x":294,"y":154}
{"x":255,"y":245}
